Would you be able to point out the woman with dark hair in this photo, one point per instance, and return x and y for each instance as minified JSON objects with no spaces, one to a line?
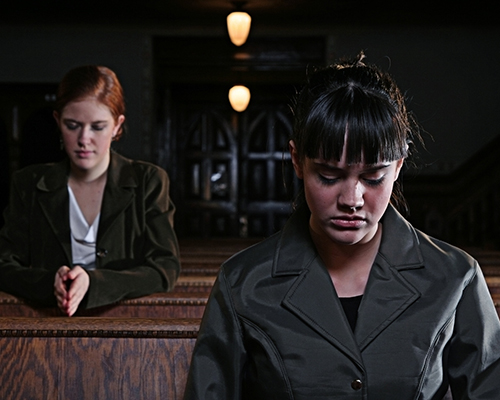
{"x":348,"y":301}
{"x":96,"y":227}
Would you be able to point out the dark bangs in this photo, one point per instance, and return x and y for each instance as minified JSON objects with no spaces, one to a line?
{"x":374,"y":130}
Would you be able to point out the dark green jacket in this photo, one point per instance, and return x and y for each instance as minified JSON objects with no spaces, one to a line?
{"x":274,"y":327}
{"x":137,"y":249}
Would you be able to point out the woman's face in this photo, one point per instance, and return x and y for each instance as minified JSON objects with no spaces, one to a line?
{"x":346,"y":201}
{"x":88,"y":127}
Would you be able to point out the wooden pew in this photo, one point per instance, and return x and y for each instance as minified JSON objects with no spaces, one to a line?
{"x":158,"y":305}
{"x":224,"y":246}
{"x":188,"y":300}
{"x":204,"y":256}
{"x":493,"y":283}
{"x":489,"y":260}
{"x":496,"y":301}
{"x":95,"y":358}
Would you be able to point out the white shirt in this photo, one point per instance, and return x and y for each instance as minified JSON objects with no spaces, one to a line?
{"x":83,"y":236}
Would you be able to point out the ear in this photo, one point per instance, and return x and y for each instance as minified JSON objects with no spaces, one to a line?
{"x":119,"y":123}
{"x":399,"y":165}
{"x":297,"y":164}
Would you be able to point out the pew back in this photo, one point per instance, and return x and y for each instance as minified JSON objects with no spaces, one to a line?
{"x":189,"y":304}
{"x":95,"y":358}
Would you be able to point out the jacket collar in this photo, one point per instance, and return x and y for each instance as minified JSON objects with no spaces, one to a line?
{"x":312,"y":296}
{"x":117,"y":194}
{"x":55,"y":178}
{"x":54,"y":196}
{"x":295,"y":250}
{"x":120,"y":174}
{"x":399,"y":247}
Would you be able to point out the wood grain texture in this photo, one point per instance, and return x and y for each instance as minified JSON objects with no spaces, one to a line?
{"x":94,"y":358}
{"x":189,"y":304}
{"x":493,"y":283}
{"x":496,"y":301}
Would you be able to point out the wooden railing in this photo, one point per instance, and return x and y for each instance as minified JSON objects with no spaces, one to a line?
{"x":462,"y":207}
{"x":134,"y":349}
{"x":95,"y":358}
{"x":189,"y":304}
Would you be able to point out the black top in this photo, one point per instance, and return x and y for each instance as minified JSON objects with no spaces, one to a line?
{"x":351,"y":305}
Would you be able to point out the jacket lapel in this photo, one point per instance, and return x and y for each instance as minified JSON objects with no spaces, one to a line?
{"x":312,"y":297}
{"x":53,"y":200}
{"x":117,"y":195}
{"x":388,"y":293}
{"x":386,"y":297}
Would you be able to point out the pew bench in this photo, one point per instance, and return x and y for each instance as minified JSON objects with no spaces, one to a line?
{"x":496,"y":301}
{"x":493,"y":283}
{"x":158,"y":305}
{"x":204,"y":256}
{"x":95,"y":358}
{"x":194,"y":283}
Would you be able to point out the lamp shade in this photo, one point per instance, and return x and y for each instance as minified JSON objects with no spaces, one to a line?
{"x":238,"y":27}
{"x":239,"y":97}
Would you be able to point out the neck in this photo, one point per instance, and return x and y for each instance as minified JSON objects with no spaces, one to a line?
{"x":347,"y":259}
{"x":348,"y":265}
{"x":88,"y":176}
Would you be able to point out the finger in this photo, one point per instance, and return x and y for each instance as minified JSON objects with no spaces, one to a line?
{"x":63,"y":271}
{"x":75,"y":272}
{"x":72,"y":307}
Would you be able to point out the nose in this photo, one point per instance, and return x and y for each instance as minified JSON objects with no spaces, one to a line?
{"x":351,"y":195}
{"x":84,"y":136}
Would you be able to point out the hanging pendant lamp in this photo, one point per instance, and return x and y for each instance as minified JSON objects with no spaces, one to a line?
{"x":238,"y":24}
{"x":239,"y":97}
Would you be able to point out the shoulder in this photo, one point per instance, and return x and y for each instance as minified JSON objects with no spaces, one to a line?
{"x":124,"y":168}
{"x":32,"y":171}
{"x":405,"y":246}
{"x":453,"y":259}
{"x":41,"y":176}
{"x":147,"y":168}
{"x":256,"y":260}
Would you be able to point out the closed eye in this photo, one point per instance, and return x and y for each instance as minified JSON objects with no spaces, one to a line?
{"x":375,"y":182}
{"x":327,"y":181}
{"x":72,"y":125}
{"x":98,"y":127}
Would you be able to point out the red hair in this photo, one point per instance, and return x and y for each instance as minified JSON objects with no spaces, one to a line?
{"x":92,"y":81}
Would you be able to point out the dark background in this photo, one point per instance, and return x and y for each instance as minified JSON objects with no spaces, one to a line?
{"x":443,"y":55}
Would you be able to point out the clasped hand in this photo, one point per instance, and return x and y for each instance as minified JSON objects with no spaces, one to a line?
{"x":70,"y":286}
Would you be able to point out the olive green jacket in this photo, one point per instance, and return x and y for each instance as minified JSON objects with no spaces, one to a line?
{"x":137,"y":249}
{"x":274,"y":327}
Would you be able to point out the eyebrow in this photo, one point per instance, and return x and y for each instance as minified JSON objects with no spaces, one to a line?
{"x":78,"y":122}
{"x":369,"y":168}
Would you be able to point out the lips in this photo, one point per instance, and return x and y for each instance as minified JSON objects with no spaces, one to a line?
{"x":348,"y":222}
{"x":83,"y":153}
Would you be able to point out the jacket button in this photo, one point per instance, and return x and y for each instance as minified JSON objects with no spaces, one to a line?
{"x":101,"y":253}
{"x":356,"y":384}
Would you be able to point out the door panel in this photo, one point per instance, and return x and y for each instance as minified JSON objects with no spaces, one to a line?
{"x":234,"y":175}
{"x":208,"y":159}
{"x":267,"y":181}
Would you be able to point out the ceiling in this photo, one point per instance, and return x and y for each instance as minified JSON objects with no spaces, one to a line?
{"x":278,"y":14}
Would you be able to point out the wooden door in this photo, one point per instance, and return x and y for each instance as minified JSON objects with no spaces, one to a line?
{"x":208,"y":174}
{"x":233,"y":175}
{"x":267,"y":181}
